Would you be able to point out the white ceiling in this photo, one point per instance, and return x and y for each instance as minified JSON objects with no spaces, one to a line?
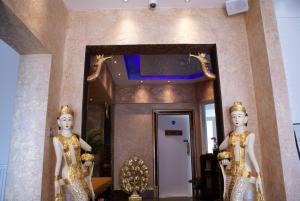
{"x":133,"y":4}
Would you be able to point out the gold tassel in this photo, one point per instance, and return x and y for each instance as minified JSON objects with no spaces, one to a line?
{"x":59,"y":197}
{"x":259,"y":197}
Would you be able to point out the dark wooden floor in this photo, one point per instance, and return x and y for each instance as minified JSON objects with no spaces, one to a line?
{"x":121,"y":196}
{"x":161,"y":199}
{"x":175,"y":199}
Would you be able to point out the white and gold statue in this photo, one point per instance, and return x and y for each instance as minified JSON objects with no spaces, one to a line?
{"x":70,"y":173}
{"x":238,"y":162}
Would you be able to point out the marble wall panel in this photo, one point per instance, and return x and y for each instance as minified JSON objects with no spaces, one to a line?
{"x":167,"y":93}
{"x":274,"y":116}
{"x":25,"y":166}
{"x":205,"y":91}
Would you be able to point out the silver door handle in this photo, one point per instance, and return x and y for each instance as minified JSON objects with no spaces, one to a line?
{"x":187,"y":146}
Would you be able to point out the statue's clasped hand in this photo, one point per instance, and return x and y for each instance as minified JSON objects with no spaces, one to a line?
{"x":258,"y":184}
{"x":87,"y":163}
{"x":225,"y":162}
{"x":224,"y":158}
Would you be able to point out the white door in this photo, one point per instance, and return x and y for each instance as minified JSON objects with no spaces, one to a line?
{"x":174,"y":157}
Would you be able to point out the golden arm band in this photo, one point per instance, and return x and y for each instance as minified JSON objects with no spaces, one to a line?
{"x":56,"y":178}
{"x":245,"y":174}
{"x":63,"y":182}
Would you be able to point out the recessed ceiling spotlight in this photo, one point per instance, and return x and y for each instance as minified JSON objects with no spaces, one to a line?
{"x":91,"y":99}
{"x":141,"y":81}
{"x":125,"y":1}
{"x":119,"y":74}
{"x":187,"y":1}
{"x":115,"y":61}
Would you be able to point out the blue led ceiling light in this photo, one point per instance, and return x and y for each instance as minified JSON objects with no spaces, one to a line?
{"x":133,"y":68}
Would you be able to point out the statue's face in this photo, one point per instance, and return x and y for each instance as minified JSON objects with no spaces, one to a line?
{"x":238,"y":118}
{"x":65,"y":121}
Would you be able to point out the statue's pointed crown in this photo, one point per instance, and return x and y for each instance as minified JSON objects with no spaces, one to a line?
{"x":237,"y":106}
{"x":65,"y":109}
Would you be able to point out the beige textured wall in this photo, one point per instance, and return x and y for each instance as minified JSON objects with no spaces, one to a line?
{"x":205,"y":91}
{"x":275,"y":125}
{"x":133,"y":126}
{"x":47,"y":21}
{"x":22,"y":39}
{"x":167,"y":26}
{"x":133,"y":133}
{"x":165,"y":93}
{"x":133,"y":118}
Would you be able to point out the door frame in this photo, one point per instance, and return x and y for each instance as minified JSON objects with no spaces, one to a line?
{"x":203,"y":127}
{"x":155,"y":114}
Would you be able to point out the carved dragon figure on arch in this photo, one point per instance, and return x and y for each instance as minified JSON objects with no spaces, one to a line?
{"x":98,"y":65}
{"x":204,"y":65}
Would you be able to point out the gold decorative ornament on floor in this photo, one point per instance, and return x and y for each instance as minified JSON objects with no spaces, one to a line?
{"x":134,"y":177}
{"x":59,"y":197}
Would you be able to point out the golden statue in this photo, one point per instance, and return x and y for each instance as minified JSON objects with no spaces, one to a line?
{"x":239,"y":159}
{"x":69,"y":171}
{"x":134,"y":177}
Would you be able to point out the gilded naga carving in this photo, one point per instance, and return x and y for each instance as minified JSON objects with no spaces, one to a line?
{"x":98,"y":65}
{"x":204,"y":65}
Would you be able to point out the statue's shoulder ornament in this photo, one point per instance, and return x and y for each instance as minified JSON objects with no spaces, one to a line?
{"x":63,"y":141}
{"x":244,"y":137}
{"x":58,"y":137}
{"x":76,"y":135}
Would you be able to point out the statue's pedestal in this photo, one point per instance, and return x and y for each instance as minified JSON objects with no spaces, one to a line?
{"x":135,"y":197}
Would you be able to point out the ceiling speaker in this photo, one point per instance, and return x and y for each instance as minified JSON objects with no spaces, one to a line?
{"x":236,"y":6}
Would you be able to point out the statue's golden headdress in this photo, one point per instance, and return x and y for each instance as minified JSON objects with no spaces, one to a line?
{"x":65,"y":109}
{"x":237,"y":106}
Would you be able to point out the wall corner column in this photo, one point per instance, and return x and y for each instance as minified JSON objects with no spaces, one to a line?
{"x":280,"y":163}
{"x":25,"y":166}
